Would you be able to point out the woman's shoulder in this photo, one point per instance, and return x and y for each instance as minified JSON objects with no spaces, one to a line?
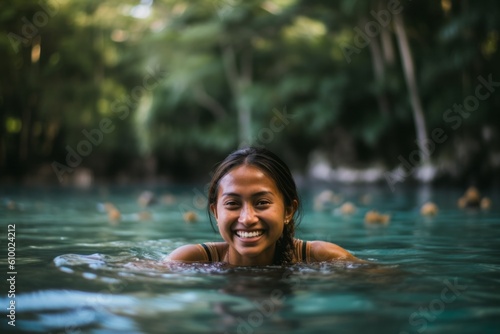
{"x":300,"y":250}
{"x":216,"y":251}
{"x":204,"y":252}
{"x":318,"y":251}
{"x":191,"y":252}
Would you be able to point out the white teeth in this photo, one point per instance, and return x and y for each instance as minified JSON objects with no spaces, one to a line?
{"x":253,"y":234}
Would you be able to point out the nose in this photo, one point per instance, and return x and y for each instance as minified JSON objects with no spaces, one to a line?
{"x":247,"y":215}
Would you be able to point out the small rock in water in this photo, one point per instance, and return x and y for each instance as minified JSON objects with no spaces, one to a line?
{"x":114,"y":214}
{"x":374,"y":217}
{"x":168,"y":199}
{"x":485,"y":203}
{"x":146,"y":198}
{"x":190,"y":217}
{"x":347,"y":208}
{"x":472,"y":199}
{"x":144,"y":216}
{"x":325,"y":199}
{"x":429,"y":209}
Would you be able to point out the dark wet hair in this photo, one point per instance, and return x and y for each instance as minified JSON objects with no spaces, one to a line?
{"x":277,"y":170}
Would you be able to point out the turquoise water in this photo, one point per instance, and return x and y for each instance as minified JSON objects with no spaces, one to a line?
{"x":77,"y":272}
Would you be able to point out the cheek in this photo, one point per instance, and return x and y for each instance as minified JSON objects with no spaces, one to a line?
{"x":281,"y":229}
{"x":224,"y":216}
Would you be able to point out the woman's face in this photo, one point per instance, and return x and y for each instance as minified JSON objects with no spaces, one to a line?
{"x":250,"y":215}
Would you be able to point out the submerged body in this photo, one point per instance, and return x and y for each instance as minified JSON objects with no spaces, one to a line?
{"x":254,"y":201}
{"x":304,"y":252}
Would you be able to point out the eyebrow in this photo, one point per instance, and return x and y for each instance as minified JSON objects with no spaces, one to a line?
{"x":260,"y":193}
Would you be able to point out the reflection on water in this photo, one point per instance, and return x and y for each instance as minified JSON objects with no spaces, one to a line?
{"x":80,"y":273}
{"x":240,"y":299}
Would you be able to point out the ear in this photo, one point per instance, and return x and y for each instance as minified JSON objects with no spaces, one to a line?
{"x":290,"y":211}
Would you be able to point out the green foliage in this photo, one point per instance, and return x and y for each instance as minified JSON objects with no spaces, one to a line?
{"x":221,"y":58}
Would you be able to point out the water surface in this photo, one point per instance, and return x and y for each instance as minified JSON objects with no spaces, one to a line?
{"x":78,"y":272}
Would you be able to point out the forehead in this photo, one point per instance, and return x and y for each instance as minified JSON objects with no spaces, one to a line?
{"x":247,"y":178}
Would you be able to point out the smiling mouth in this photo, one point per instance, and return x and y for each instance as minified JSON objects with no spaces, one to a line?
{"x":251,"y":234}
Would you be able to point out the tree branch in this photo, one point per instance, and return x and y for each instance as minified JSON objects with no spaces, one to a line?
{"x":208,"y":102}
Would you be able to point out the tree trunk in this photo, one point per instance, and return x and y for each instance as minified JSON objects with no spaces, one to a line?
{"x":379,"y":72}
{"x":387,"y":48}
{"x":409,"y":72}
{"x":238,"y":83}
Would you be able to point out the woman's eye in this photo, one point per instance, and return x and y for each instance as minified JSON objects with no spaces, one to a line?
{"x":230,"y":204}
{"x":263,"y":203}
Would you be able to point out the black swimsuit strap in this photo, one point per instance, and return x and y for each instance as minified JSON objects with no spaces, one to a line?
{"x":207,"y":251}
{"x":304,"y":251}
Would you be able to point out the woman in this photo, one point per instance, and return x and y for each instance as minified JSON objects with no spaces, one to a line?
{"x":254,"y":200}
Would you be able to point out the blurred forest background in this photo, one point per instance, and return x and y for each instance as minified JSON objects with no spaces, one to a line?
{"x":123,"y":91}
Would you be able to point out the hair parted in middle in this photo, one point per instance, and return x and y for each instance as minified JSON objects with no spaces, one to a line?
{"x":278,"y":171}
